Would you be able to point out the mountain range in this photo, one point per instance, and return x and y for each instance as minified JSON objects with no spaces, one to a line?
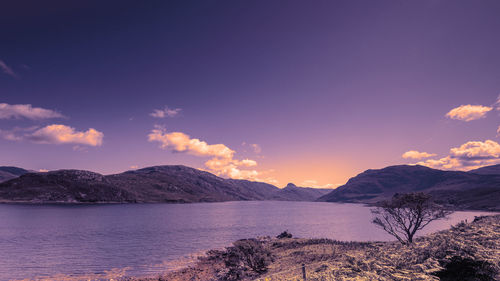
{"x":171,"y":184}
{"x":477,"y":189}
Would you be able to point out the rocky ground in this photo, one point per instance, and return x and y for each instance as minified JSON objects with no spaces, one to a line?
{"x":471,"y":250}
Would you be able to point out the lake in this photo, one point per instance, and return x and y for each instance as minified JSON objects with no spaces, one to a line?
{"x":146,"y":239}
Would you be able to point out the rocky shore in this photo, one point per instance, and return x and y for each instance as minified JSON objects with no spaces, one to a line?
{"x":469,"y":250}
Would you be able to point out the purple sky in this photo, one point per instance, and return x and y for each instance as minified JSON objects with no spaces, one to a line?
{"x":310,"y":92}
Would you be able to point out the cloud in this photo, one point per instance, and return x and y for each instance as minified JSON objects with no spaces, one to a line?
{"x":8,"y":111}
{"x":314,"y":184}
{"x":497,"y":103}
{"x":468,"y":112}
{"x":7,"y":70}
{"x":222,"y":162}
{"x":256,"y":148}
{"x":17,"y":133}
{"x":413,"y":154}
{"x":135,"y":167}
{"x":477,"y":150}
{"x":62,"y":134}
{"x":180,"y":142}
{"x":468,"y":156}
{"x":166,"y":112}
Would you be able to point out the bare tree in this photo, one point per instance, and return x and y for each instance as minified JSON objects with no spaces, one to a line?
{"x":405,"y":214}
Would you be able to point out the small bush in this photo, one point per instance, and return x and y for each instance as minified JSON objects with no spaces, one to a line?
{"x":459,"y":268}
{"x":246,"y":258}
{"x":284,"y":234}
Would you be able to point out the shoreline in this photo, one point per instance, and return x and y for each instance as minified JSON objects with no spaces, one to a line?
{"x":327,"y":259}
{"x":66,"y":203}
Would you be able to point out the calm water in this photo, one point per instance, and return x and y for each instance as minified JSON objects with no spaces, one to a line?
{"x":43,"y":241}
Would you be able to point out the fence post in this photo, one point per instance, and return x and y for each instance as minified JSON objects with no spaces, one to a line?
{"x":304,"y":272}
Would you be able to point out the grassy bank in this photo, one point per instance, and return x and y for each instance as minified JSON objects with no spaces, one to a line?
{"x":466,"y":249}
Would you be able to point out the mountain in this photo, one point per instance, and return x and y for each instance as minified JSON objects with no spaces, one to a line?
{"x":179,"y":184}
{"x":302,"y":193}
{"x":62,"y":186}
{"x":488,"y":170}
{"x":8,"y":172}
{"x":468,"y":190}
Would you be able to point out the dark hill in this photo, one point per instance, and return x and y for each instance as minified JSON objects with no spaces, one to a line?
{"x":153,"y":184}
{"x":488,"y":170}
{"x":62,"y":186}
{"x":462,"y":189}
{"x":9,"y":172}
{"x":300,"y":193}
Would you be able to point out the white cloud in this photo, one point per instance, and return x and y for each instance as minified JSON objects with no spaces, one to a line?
{"x":8,"y":111}
{"x":7,"y":70}
{"x":43,"y":171}
{"x":474,"y":150}
{"x":414,"y":154}
{"x":62,"y":134}
{"x":315,"y":184}
{"x":468,"y":156}
{"x":166,"y":112}
{"x":468,"y":112}
{"x":222,"y":162}
{"x":180,"y":142}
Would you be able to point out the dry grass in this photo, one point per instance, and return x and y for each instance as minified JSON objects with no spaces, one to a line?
{"x":326,"y":259}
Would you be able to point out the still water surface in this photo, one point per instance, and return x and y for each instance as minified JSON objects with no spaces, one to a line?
{"x":144,"y":239}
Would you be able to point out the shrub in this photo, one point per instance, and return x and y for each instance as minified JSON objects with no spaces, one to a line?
{"x":459,"y":268}
{"x":246,"y":258}
{"x":284,"y":234}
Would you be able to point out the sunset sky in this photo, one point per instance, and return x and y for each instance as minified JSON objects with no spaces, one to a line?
{"x":309,"y":92}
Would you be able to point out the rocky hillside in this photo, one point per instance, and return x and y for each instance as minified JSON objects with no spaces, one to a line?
{"x":172,"y":184}
{"x":470,"y":190}
{"x":62,"y":186}
{"x":8,"y":172}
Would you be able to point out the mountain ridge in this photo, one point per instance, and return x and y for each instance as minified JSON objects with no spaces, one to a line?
{"x":468,"y":190}
{"x":156,"y":184}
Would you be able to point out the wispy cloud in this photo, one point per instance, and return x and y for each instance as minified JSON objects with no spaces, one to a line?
{"x":8,"y":111}
{"x":7,"y":70}
{"x":468,"y":112}
{"x":222,"y":162}
{"x":470,"y":155}
{"x":62,"y":134}
{"x":497,"y":103}
{"x":414,"y":154}
{"x":16,"y":133}
{"x":166,"y":112}
{"x":255,"y":147}
{"x":315,"y":184}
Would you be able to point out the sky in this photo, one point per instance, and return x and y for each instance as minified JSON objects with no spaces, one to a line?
{"x":309,"y":92}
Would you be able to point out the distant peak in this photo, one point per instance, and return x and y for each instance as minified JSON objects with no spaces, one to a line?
{"x":290,"y":185}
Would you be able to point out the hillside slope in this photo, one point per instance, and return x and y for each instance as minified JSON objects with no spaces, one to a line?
{"x":462,"y":189}
{"x":9,"y":172}
{"x":171,"y":184}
